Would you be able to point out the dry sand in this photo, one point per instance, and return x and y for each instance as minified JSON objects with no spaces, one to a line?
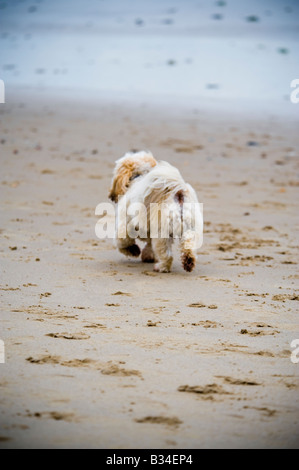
{"x":102,"y":352}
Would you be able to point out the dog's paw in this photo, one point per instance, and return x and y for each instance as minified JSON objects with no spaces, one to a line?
{"x":188,"y":262}
{"x":147,"y":255}
{"x":159,"y":268}
{"x":147,"y":259}
{"x":134,"y":251}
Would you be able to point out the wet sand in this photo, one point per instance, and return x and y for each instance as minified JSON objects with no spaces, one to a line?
{"x":101,"y":352}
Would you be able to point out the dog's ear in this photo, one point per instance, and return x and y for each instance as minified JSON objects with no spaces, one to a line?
{"x":127,"y":169}
{"x":112,"y":195}
{"x":121,"y":180}
{"x":112,"y":192}
{"x":117,"y":189}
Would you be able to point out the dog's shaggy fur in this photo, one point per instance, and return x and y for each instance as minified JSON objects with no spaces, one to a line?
{"x":163,"y":192}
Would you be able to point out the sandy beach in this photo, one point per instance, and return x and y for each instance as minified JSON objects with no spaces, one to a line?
{"x":100,"y":351}
{"x":103,"y":352}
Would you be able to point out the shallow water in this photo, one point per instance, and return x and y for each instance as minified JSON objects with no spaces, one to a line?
{"x":217,"y":51}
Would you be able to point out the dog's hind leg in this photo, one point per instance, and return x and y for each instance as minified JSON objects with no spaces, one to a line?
{"x":147,"y":255}
{"x":128,"y":247}
{"x":163,"y":254}
{"x":188,"y":256}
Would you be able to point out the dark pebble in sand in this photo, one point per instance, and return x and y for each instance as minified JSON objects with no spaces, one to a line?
{"x":212,"y":86}
{"x":252,"y":143}
{"x":167,"y":21}
{"x":139,"y":22}
{"x":252,"y":19}
{"x":283,"y":50}
{"x":217,"y":16}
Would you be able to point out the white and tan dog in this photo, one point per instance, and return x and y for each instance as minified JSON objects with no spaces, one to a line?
{"x":169,"y":204}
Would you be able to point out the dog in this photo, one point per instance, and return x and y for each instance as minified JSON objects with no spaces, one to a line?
{"x":168,"y":203}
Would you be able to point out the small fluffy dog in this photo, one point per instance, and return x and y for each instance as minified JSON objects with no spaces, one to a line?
{"x":169,"y":204}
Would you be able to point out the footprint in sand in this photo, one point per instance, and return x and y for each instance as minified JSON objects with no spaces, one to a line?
{"x":233,"y":381}
{"x":106,"y":368}
{"x":207,"y":324}
{"x":58,"y":360}
{"x":119,"y":292}
{"x":76,"y":336}
{"x":95,"y":325}
{"x":114,"y":369}
{"x":284,"y":297}
{"x":206,"y":392}
{"x":168,"y":421}
{"x":202,"y":305}
{"x":56,"y":415}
